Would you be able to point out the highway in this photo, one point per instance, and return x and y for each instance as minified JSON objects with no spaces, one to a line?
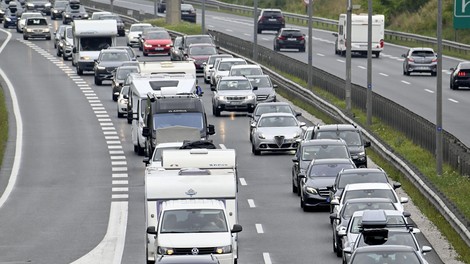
{"x":79,"y":195}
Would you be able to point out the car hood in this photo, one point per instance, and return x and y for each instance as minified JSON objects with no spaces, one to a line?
{"x":235,"y":93}
{"x":199,"y":57}
{"x":287,"y":132}
{"x":355,"y":149}
{"x":111,"y":63}
{"x":158,"y":41}
{"x":134,"y":34}
{"x":320,"y":182}
{"x":91,"y":55}
{"x":190,"y":240}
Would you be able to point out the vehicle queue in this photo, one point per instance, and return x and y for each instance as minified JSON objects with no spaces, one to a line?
{"x":236,"y":87}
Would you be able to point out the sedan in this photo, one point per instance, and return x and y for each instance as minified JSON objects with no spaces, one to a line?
{"x":157,"y":42}
{"x":122,"y":99}
{"x":420,"y":60}
{"x":199,"y":53}
{"x":320,"y":174}
{"x":22,"y":21}
{"x":289,"y":38}
{"x":58,"y":8}
{"x":275,"y":107}
{"x":188,"y":13}
{"x":266,"y":89}
{"x":119,"y":76}
{"x":460,"y":75}
{"x":276,"y":132}
{"x":133,"y":34}
{"x":57,"y":35}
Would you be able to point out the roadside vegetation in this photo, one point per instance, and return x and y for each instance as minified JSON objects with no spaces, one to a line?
{"x":3,"y":125}
{"x":417,"y":17}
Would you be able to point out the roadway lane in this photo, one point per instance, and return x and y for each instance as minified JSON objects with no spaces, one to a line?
{"x":417,"y":92}
{"x":63,"y":186}
{"x":276,"y":230}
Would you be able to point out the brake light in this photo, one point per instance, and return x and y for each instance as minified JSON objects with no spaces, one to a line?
{"x":462,"y":74}
{"x":301,"y":38}
{"x":382,"y":43}
{"x":281,"y":38}
{"x":411,"y":59}
{"x":434,"y":60}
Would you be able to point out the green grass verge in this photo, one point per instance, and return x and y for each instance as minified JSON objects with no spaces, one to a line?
{"x":184,"y":27}
{"x":3,"y":125}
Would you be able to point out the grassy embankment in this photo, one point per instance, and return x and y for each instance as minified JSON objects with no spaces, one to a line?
{"x":3,"y":125}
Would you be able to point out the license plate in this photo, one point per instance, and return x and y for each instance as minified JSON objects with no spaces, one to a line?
{"x":291,"y":39}
{"x":235,"y":102}
{"x":272,"y":19}
{"x":158,"y":48}
{"x":185,"y":13}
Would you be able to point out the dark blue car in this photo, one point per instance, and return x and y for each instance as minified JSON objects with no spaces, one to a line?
{"x":11,"y":17}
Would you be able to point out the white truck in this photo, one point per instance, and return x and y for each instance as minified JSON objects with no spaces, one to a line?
{"x":90,"y":37}
{"x":359,"y":34}
{"x":192,"y":174}
{"x":140,"y":86}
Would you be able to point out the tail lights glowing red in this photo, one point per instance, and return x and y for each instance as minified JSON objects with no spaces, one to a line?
{"x":382,"y":43}
{"x":462,"y":74}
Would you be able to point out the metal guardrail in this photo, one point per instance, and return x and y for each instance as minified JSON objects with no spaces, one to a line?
{"x":333,"y":24}
{"x":243,"y":48}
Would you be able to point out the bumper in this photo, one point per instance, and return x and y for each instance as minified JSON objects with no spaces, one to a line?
{"x":422,"y":68}
{"x":122,"y":106}
{"x":272,"y":145}
{"x":236,"y":106}
{"x":276,"y":27}
{"x":189,"y":18}
{"x":86,"y":65}
{"x":37,"y":35}
{"x":463,"y":83}
{"x":67,"y":52}
{"x":315,"y":199}
{"x":290,"y":45}
{"x":157,"y":50}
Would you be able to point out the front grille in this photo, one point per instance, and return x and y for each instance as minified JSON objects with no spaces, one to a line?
{"x":235,"y":98}
{"x":275,"y":146}
{"x":37,"y":31}
{"x":110,"y":69}
{"x":190,"y":251}
{"x":324,"y":192}
{"x":261,"y":97}
{"x":279,"y":140}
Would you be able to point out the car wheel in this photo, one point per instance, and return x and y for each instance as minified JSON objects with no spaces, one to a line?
{"x":294,"y":188}
{"x":456,"y":87}
{"x":145,"y":54}
{"x":334,"y":243}
{"x":120,"y":115}
{"x":254,"y":150}
{"x":377,"y":54}
{"x":48,"y":38}
{"x":140,"y":48}
{"x":98,"y":81}
{"x":79,"y":71}
{"x":115,"y":97}
{"x":205,"y":80}
{"x":25,"y":37}
{"x":129,"y":120}
{"x":58,"y":53}
{"x":302,"y":49}
{"x":433,"y":73}
{"x":339,"y":250}
{"x":259,"y":31}
{"x":64,"y":57}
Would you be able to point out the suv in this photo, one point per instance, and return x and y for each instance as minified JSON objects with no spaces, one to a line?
{"x":420,"y":60}
{"x":233,"y":93}
{"x":289,"y":38}
{"x":349,"y":133}
{"x":43,"y":6}
{"x":107,"y":62}
{"x":74,"y":10}
{"x":265,"y":91}
{"x":222,"y":68}
{"x":271,"y":19}
{"x":36,"y":27}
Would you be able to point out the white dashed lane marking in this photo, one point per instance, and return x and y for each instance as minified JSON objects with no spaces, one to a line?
{"x":266,"y":258}
{"x":251,"y":203}
{"x":259,"y":228}
{"x":405,"y":82}
{"x":383,"y":74}
{"x":242,"y":181}
{"x":453,"y":101}
{"x":429,"y":91}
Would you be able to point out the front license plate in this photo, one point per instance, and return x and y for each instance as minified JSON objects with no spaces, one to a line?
{"x":158,"y":48}
{"x":236,"y":102}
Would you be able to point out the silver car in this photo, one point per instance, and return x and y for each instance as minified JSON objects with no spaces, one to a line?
{"x":420,"y":60}
{"x":276,"y":132}
{"x":233,"y":94}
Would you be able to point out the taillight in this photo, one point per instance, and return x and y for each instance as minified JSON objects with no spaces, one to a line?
{"x":434,"y":60}
{"x":301,"y":38}
{"x":382,"y":43}
{"x":461,"y":74}
{"x":281,"y":38}
{"x":411,"y":59}
{"x":282,"y":20}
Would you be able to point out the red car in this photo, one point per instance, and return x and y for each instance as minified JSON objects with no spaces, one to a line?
{"x":157,"y":42}
{"x":199,"y":53}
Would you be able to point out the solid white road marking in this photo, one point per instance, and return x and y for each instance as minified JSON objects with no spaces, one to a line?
{"x":251,"y":203}
{"x":118,"y":163}
{"x":259,"y":228}
{"x":116,"y":152}
{"x":266,"y":258}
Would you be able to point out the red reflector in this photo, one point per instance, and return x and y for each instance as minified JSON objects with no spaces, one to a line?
{"x":462,"y":74}
{"x":382,"y":43}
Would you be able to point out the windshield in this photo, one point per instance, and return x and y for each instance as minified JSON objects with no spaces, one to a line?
{"x":158,"y":35}
{"x":370,"y":193}
{"x":60,"y":4}
{"x":351,"y":137}
{"x":234,"y":85}
{"x":26,"y":15}
{"x":115,"y":56}
{"x":198,"y":39}
{"x":36,"y":22}
{"x":202,"y":50}
{"x":348,"y":178}
{"x":212,"y":59}
{"x":386,"y":257}
{"x":260,"y":81}
{"x":328,"y":170}
{"x":272,"y":109}
{"x":226,"y":65}
{"x":245,"y":71}
{"x":422,"y":53}
{"x":277,"y":121}
{"x":193,"y":221}
{"x":157,"y":156}
{"x":325,"y":152}
{"x":137,"y":28}
{"x":162,"y":120}
{"x":122,"y":73}
{"x":394,"y":238}
{"x":350,"y":208}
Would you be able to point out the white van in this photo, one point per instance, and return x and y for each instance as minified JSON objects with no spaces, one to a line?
{"x":140,"y":86}
{"x":194,"y":227}
{"x":169,"y":67}
{"x":359,"y":34}
{"x":192,"y":174}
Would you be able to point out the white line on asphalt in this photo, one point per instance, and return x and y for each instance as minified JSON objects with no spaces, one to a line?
{"x":242,"y":181}
{"x":119,"y":168}
{"x":105,"y":128}
{"x":340,"y":60}
{"x":93,"y":97}
{"x":267,"y":258}
{"x":265,"y":39}
{"x":111,"y":237}
{"x":120,"y":182}
{"x":111,"y":137}
{"x":113,"y":142}
{"x":228,"y":30}
{"x":116,"y":152}
{"x":114,"y":147}
{"x":211,"y":26}
{"x":453,"y":101}
{"x":119,"y":163}
{"x":383,"y":74}
{"x":321,"y":55}
{"x":259,"y":228}
{"x":120,"y":189}
{"x":102,"y":115}
{"x":109,"y":132}
{"x":429,"y":91}
{"x":246,"y":34}
{"x":251,"y":203}
{"x":222,"y":146}
{"x":362,"y":67}
{"x":120,"y":175}
{"x":405,"y":82}
{"x":118,"y":157}
{"x":104,"y":119}
{"x":106,"y":124}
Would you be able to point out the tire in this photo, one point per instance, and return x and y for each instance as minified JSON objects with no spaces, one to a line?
{"x":295,"y":189}
{"x":339,"y":251}
{"x":58,"y":53}
{"x":145,"y":54}
{"x":377,"y":54}
{"x":64,"y":57}
{"x":259,"y":31}
{"x":254,"y":150}
{"x":206,"y":81}
{"x":25,"y":38}
{"x":19,"y":31}
{"x":456,"y":87}
{"x":334,"y":246}
{"x":98,"y":81}
{"x":115,"y":97}
{"x":120,"y":115}
{"x":433,"y":73}
{"x":215,"y":111}
{"x":48,"y":38}
{"x":79,"y":71}
{"x":136,"y":150}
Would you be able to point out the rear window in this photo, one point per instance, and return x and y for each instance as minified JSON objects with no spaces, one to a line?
{"x":293,"y":33}
{"x":272,"y":14}
{"x":422,"y":53}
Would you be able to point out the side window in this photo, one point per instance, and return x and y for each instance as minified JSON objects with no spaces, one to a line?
{"x":341,"y":30}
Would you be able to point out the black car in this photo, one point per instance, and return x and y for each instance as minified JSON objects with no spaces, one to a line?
{"x":320,"y":174}
{"x":43,"y":6}
{"x":271,"y":19}
{"x":359,"y":175}
{"x":121,"y":29}
{"x":107,"y":62}
{"x":460,"y":75}
{"x":74,"y":11}
{"x":161,"y":6}
{"x":349,"y":133}
{"x":58,"y":8}
{"x":289,"y":38}
{"x":188,"y":13}
{"x":309,"y":150}
{"x":420,"y":60}
{"x":119,"y":76}
{"x":340,"y":220}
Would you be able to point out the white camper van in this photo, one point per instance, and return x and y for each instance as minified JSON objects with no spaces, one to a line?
{"x":170,"y":67}
{"x":140,"y":86}
{"x":90,"y":37}
{"x":359,"y":34}
{"x":192,"y":174}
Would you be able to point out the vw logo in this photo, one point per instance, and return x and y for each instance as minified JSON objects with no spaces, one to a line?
{"x":195,"y":251}
{"x":191,"y":192}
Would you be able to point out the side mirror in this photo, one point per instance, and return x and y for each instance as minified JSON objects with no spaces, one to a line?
{"x":302,"y":124}
{"x":255,"y":88}
{"x":250,"y":115}
{"x":451,"y":69}
{"x":335,"y":34}
{"x":367,"y":144}
{"x":275,"y":86}
{"x":425,"y":249}
{"x":406,"y":214}
{"x":151,"y":230}
{"x":210,"y":129}
{"x":204,"y":64}
{"x":298,"y":114}
{"x":236,"y":228}
{"x":146,"y":132}
{"x":302,"y":176}
{"x":334,"y":202}
{"x":403,"y":55}
{"x":116,"y":93}
{"x":295,"y":159}
{"x":341,"y":233}
{"x":396,"y":185}
{"x":403,"y":200}
{"x":126,"y":96}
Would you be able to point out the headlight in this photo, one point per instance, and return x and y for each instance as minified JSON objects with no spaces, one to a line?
{"x":168,"y":45}
{"x":84,"y":58}
{"x":29,"y":30}
{"x":47,"y":5}
{"x":68,"y":44}
{"x":67,"y":15}
{"x":7,"y":19}
{"x":85,"y":15}
{"x":147,"y":45}
{"x":100,"y":68}
{"x":311,"y":190}
{"x":30,"y":5}
{"x":297,"y":135}
{"x":165,"y":251}
{"x":260,"y":135}
{"x":251,"y":97}
{"x":1,"y":12}
{"x":47,"y":30}
{"x":123,"y":101}
{"x":272,"y":95}
{"x":360,"y":154}
{"x":220,"y":97}
{"x":225,"y":249}
{"x":55,"y":11}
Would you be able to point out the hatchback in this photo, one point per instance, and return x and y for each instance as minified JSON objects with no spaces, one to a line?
{"x":289,"y":38}
{"x":420,"y":60}
{"x":188,"y":13}
{"x":156,"y":42}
